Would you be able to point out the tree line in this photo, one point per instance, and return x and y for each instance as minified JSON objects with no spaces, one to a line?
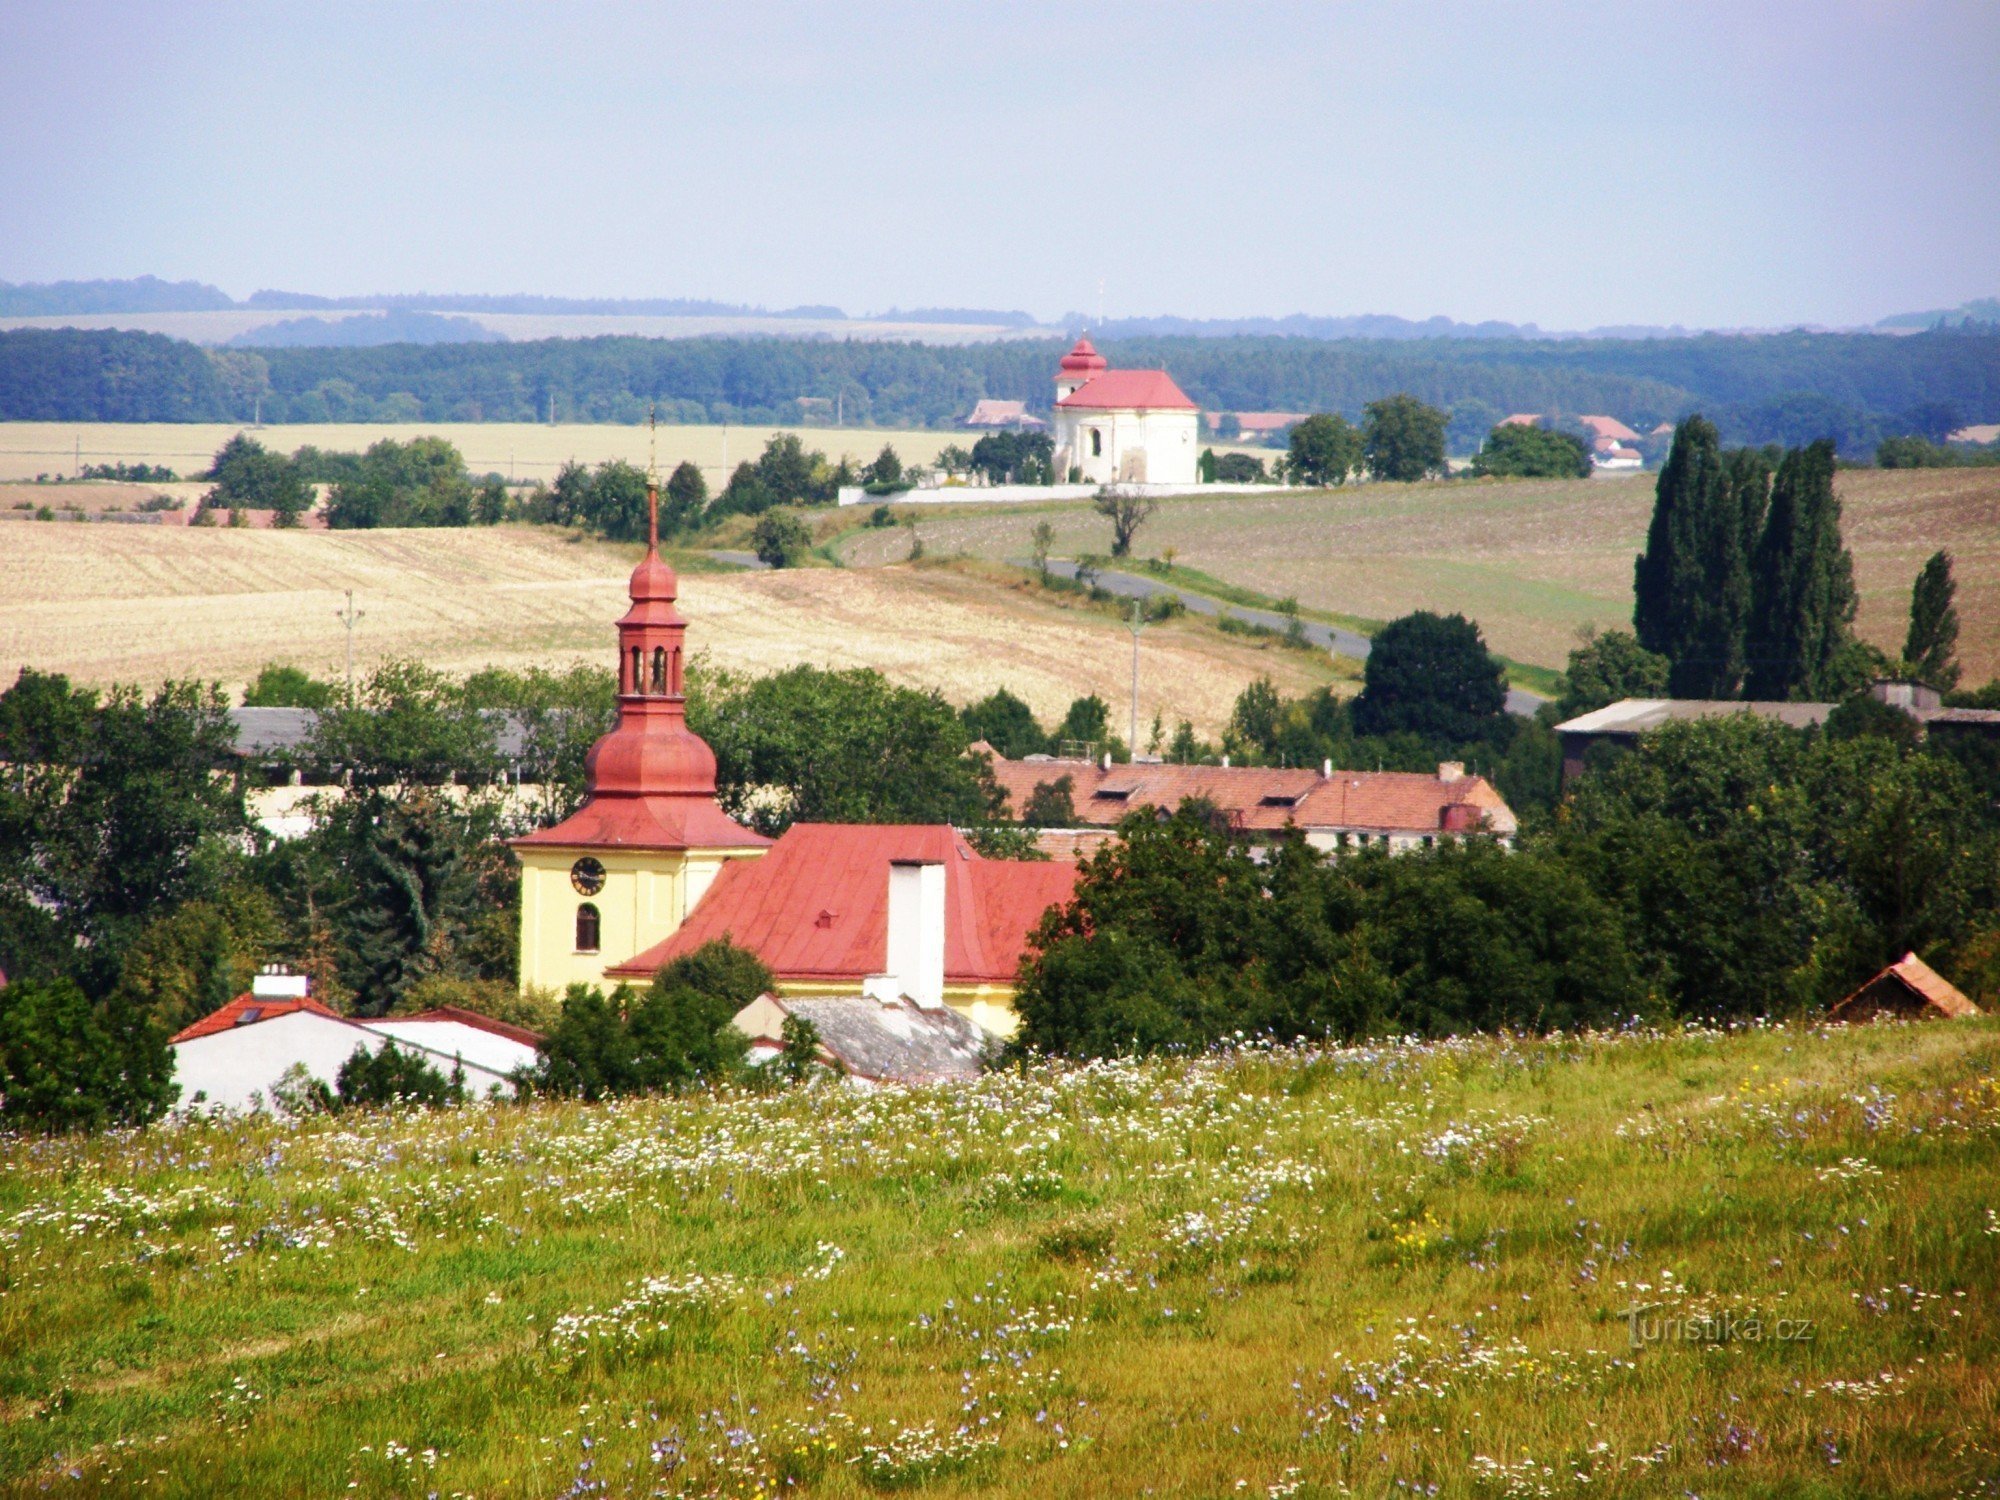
{"x":1786,"y":388}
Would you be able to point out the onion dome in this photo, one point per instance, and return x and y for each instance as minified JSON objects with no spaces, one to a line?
{"x":1083,"y":360}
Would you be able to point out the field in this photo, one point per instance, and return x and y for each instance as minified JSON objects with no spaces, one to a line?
{"x":1755,"y":1264}
{"x":1531,"y":561}
{"x":221,"y":325}
{"x":517,"y":450}
{"x":108,"y":603}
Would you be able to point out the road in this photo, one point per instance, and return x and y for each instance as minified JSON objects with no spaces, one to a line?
{"x":1329,"y":637}
{"x":1134,"y":586}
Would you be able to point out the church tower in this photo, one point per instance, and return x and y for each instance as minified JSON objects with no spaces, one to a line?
{"x":1078,"y":368}
{"x":622,"y":872}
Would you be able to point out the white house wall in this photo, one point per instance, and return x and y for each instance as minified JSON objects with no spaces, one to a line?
{"x":1140,"y":447}
{"x":454,"y":1039}
{"x":236,"y":1068}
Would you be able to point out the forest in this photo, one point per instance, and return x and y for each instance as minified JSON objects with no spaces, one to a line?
{"x":1786,"y":388}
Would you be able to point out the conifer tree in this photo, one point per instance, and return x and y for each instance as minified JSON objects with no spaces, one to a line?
{"x":1802,"y":584}
{"x":1933,"y":634}
{"x":1693,"y":582}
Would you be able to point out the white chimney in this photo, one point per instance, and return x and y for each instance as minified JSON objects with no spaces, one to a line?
{"x":1225,"y":762}
{"x":1450,"y":771}
{"x":1326,"y":769}
{"x":916,"y":930}
{"x":274,"y":983}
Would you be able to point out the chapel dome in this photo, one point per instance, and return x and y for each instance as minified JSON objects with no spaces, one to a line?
{"x":1083,"y":359}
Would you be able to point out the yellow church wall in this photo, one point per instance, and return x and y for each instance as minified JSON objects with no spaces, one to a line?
{"x":646,"y":896}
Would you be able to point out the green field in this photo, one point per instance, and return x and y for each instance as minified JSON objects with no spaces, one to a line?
{"x":1533,"y":561}
{"x":1378,"y":1271}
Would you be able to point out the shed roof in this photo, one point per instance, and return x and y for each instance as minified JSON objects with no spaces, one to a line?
{"x":1908,"y":985}
{"x":896,"y":1043}
{"x":1639,"y":715}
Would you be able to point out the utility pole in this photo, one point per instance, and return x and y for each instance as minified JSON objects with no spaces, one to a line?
{"x":1138,"y":624}
{"x":348,"y":617}
{"x":79,"y":455}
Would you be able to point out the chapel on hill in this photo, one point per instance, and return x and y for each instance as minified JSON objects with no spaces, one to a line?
{"x":1122,"y":426}
{"x":650,"y":867}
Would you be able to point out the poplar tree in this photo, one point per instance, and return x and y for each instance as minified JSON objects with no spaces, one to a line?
{"x":1933,"y":634}
{"x":1692,"y":585}
{"x":1802,"y":584}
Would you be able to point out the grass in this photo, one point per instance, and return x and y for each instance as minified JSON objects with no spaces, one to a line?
{"x":140,"y":604}
{"x":1533,"y":561}
{"x":1352,"y":1272}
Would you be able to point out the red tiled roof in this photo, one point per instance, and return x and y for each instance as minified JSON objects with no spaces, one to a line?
{"x":1610,"y":427}
{"x":646,"y":823}
{"x":1262,"y":799}
{"x":1908,"y":979}
{"x":247,"y":1010}
{"x":1262,"y":421}
{"x":1522,"y":419}
{"x":816,"y":907}
{"x":1152,"y":390}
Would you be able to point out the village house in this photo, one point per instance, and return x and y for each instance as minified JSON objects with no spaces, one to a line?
{"x":1122,"y":426}
{"x":231,"y":1058}
{"x":1625,"y":722}
{"x":907,"y":926}
{"x":1337,"y":811}
{"x":993,"y":415}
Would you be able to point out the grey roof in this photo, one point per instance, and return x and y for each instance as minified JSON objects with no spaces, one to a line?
{"x":1638,"y":715}
{"x":275,"y":731}
{"x":895,"y":1043}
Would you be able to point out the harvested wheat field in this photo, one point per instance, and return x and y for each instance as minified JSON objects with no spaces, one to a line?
{"x":141,"y":604}
{"x":517,"y":450}
{"x":1532,"y":560}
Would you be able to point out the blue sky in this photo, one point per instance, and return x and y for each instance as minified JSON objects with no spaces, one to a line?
{"x":1710,"y":164}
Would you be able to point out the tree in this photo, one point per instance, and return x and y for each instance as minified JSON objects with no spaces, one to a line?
{"x":588,"y":1054}
{"x":66,"y":1064}
{"x":1802,"y":586}
{"x":1609,"y":666}
{"x":788,"y":471}
{"x":422,"y":482}
{"x":1253,"y":722}
{"x":614,"y":506}
{"x":1006,"y":723}
{"x":110,"y":811}
{"x":846,"y":746}
{"x":249,"y":476}
{"x":1692,"y":588}
{"x":278,"y":685}
{"x":746,"y":494}
{"x":1040,"y":541}
{"x":886,"y":470}
{"x":781,"y":540}
{"x":1052,"y":804}
{"x":682,"y":1027}
{"x":490,"y":504}
{"x":1015,"y":457}
{"x":1126,"y":512}
{"x":1933,"y":636}
{"x":195,"y":958}
{"x":1324,"y":449}
{"x":1517,"y":451}
{"x":1238,"y":468}
{"x":1431,"y":675}
{"x":686,"y":498}
{"x":1403,"y":438}
{"x":1087,"y":722}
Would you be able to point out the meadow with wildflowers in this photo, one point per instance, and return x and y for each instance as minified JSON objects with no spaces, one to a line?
{"x":1443,"y":1268}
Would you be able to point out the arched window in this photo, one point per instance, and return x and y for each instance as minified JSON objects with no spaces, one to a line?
{"x":586,"y":928}
{"x":1096,"y":443}
{"x":659,"y":669}
{"x":635,"y":683}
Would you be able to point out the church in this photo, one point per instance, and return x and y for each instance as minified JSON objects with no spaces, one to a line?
{"x":1122,"y":426}
{"x":901,"y":917}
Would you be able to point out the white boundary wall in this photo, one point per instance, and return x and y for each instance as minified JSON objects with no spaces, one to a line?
{"x":1015,"y":494}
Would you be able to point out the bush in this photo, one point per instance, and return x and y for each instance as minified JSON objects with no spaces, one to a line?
{"x":781,"y":541}
{"x":388,"y":1076}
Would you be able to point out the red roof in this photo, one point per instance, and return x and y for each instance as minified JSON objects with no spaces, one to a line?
{"x":816,"y":907}
{"x":1610,"y":427}
{"x":1151,"y":390}
{"x":247,"y":1010}
{"x":1262,"y":799}
{"x":645,"y":823}
{"x":1082,"y":356}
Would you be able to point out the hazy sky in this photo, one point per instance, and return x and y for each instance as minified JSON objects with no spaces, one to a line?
{"x":1713,"y":164}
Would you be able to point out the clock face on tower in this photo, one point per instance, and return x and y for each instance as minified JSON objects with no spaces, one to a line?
{"x":587,"y":875}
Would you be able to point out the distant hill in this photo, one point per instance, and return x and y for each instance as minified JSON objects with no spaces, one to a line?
{"x":1981,"y":310}
{"x":366,"y":332}
{"x":142,"y":294}
{"x":446,"y":302}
